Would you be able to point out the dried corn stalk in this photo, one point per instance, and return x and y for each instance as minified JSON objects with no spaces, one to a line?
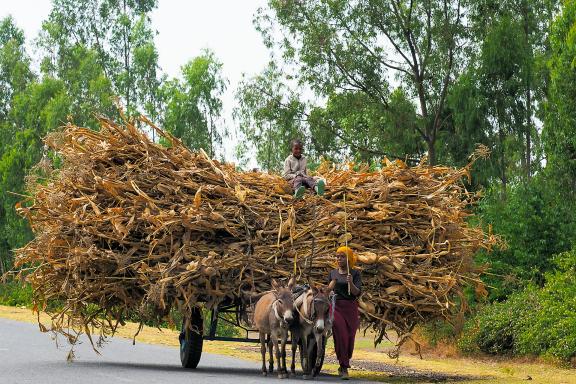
{"x":128,"y":227}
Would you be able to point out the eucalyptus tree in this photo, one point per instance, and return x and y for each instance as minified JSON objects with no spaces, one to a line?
{"x":270,"y":114}
{"x":120,"y":34}
{"x":369,"y":46}
{"x":194,"y":105}
{"x":560,"y":118}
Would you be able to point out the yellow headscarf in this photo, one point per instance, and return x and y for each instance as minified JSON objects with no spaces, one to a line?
{"x":350,"y":255}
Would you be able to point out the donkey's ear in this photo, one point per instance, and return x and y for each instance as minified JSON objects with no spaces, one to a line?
{"x":275,"y":285}
{"x":291,"y":282}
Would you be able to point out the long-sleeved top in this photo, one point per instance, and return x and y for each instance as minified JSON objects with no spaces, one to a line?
{"x":292,"y":165}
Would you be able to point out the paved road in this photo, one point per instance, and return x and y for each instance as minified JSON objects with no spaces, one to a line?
{"x":28,"y":356}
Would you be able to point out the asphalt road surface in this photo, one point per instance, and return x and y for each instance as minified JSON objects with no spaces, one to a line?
{"x":29,"y":356}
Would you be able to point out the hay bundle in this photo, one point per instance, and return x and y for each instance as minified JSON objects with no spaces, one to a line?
{"x":126,"y":227}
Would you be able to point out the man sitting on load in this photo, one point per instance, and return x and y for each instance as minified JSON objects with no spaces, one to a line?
{"x":295,"y":172}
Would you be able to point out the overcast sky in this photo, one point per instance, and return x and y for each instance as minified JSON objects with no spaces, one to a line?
{"x":184,"y":28}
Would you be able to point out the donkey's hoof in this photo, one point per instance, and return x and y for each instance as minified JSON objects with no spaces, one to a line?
{"x":306,"y":377}
{"x":281,"y":376}
{"x":264,"y":373}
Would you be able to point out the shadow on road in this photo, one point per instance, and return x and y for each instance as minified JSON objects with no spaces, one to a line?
{"x":233,"y":371}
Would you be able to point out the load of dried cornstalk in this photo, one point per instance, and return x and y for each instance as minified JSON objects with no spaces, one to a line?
{"x":126,"y":227}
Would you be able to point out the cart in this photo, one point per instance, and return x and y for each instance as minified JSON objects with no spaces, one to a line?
{"x":191,"y":341}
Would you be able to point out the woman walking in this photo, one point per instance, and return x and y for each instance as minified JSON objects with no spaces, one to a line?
{"x":346,"y":283}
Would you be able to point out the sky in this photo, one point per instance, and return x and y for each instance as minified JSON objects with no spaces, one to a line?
{"x":185,"y":27}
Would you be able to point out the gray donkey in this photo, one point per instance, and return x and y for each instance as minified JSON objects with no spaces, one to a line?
{"x":272,"y":316}
{"x":314,"y":317}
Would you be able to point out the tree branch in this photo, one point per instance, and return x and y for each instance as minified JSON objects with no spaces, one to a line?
{"x":369,"y":150}
{"x":379,"y":58}
{"x":446,"y":80}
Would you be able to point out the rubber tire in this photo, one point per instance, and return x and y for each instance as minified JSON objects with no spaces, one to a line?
{"x":313,"y":348}
{"x":191,"y":343}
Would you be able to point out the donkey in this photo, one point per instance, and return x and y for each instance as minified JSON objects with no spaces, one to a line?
{"x":314,"y":317}
{"x":272,"y":316}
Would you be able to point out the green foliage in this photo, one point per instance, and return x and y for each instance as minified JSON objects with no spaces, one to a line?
{"x":496,"y":327}
{"x":496,"y":99}
{"x":16,"y":294}
{"x":353,"y":119}
{"x":470,"y":125}
{"x":15,"y":73}
{"x":85,"y":84}
{"x":194,"y":105}
{"x":535,"y":321}
{"x":223,"y":328}
{"x":436,"y":332}
{"x":39,"y":109}
{"x":93,"y":49}
{"x":353,"y":47}
{"x":560,"y":116}
{"x":270,"y":115}
{"x":119,"y":34}
{"x":34,"y":108}
{"x":537,"y":222}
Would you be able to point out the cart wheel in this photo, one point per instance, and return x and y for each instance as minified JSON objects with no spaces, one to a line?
{"x":313,"y":353}
{"x":191,"y":342}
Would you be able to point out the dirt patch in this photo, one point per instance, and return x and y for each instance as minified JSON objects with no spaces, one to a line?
{"x":400,"y":372}
{"x":393,"y":372}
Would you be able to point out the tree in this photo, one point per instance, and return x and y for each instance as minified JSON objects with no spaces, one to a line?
{"x":370,"y":130}
{"x":37,"y":110}
{"x":560,"y":118}
{"x":537,"y":222}
{"x":15,"y":73}
{"x":132,"y":39}
{"x":194,"y":105}
{"x":270,"y":115}
{"x":502,"y":61}
{"x":119,"y":33}
{"x":15,"y":76}
{"x":364,"y":46}
{"x":86,"y":84}
{"x":515,"y":43}
{"x":496,"y":100}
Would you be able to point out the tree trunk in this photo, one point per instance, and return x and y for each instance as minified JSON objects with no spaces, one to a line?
{"x":502,"y":137}
{"x":211,"y":134}
{"x":269,"y":155}
{"x":127,"y":62}
{"x":431,"y":142}
{"x":528,"y":133}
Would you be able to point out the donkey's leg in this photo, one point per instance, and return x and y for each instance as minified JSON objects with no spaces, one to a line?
{"x":274,"y":338}
{"x":306,"y":359}
{"x":263,"y":351}
{"x":271,"y":355}
{"x":282,"y":364}
{"x":319,"y":353}
{"x":295,"y":339}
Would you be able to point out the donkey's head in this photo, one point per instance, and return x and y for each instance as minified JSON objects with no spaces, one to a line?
{"x":284,"y":302}
{"x":320,"y":308}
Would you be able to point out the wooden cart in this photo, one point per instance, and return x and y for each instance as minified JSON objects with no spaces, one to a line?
{"x":191,"y":341}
